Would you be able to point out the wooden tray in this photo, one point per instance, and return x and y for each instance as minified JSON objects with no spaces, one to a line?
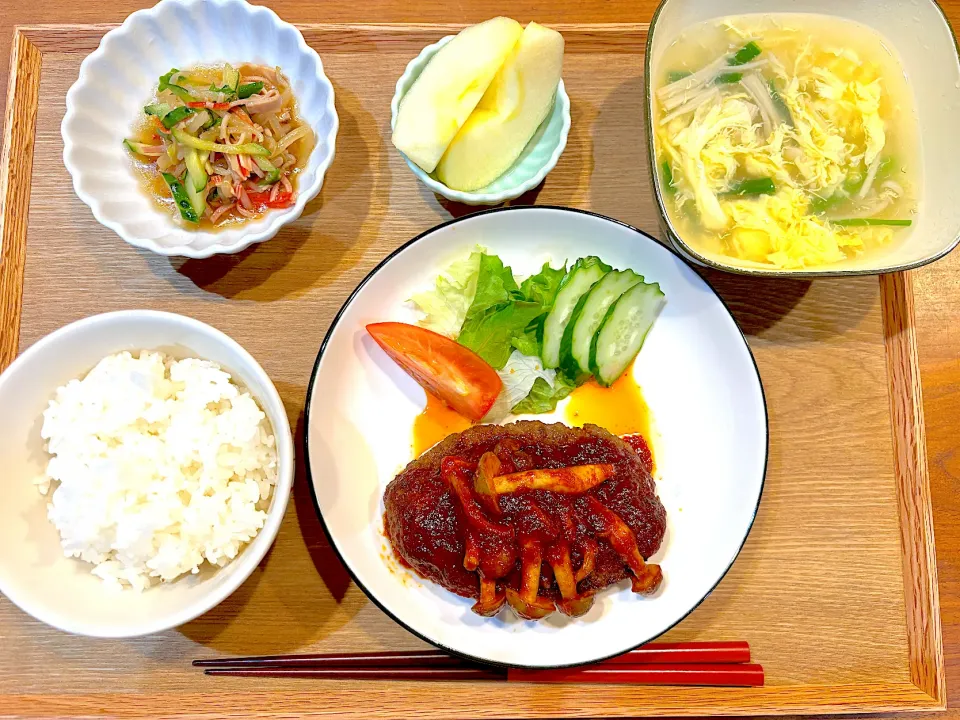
{"x":836,"y":588}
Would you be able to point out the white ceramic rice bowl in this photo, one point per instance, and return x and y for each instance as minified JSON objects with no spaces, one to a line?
{"x":61,"y":591}
{"x":120,"y":77}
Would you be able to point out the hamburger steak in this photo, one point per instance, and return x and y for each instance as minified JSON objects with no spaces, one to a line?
{"x":538,"y":516}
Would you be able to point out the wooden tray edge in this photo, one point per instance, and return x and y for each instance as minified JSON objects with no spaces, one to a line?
{"x":921,"y":591}
{"x":675,"y":702}
{"x":16,"y":163}
{"x":928,"y":691}
{"x":608,"y":37}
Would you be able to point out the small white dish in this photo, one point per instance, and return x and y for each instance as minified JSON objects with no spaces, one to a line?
{"x":61,"y":591}
{"x":120,"y":77}
{"x":698,"y":377}
{"x":538,"y":158}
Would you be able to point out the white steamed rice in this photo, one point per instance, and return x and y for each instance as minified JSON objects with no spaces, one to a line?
{"x":158,"y":466}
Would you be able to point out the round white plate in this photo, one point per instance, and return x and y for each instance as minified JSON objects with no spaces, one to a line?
{"x":697,"y":375}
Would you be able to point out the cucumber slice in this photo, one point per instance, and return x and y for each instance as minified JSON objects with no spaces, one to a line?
{"x":211,"y":120}
{"x":271,"y":170}
{"x":157,"y":109}
{"x":135,"y":147}
{"x":623,"y":331}
{"x":250,"y":148}
{"x":198,"y":198}
{"x":581,"y":277}
{"x":196,"y":175}
{"x":231,"y":78}
{"x":178,"y":114}
{"x":587,"y":316}
{"x":181,"y":198}
{"x":247,"y":89}
{"x":567,"y":364}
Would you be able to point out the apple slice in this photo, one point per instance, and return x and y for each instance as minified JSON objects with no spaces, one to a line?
{"x":449,"y":88}
{"x":517,"y":101}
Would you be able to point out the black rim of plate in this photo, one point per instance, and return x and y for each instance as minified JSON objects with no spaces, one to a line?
{"x":306,"y":434}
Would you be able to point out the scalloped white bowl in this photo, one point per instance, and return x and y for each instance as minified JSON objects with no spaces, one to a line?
{"x":121,"y":75}
{"x":538,"y":158}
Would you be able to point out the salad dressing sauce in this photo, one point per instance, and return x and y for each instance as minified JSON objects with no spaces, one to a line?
{"x":434,"y":423}
{"x":620,"y":408}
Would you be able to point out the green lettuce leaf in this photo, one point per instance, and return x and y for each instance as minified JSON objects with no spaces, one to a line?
{"x":477,"y":301}
{"x":490,"y":333}
{"x":495,"y":285}
{"x":529,"y":342}
{"x":543,"y":397}
{"x":503,"y":316}
{"x":540,"y":288}
{"x":543,"y":286}
{"x":518,"y":376}
{"x":445,"y":307}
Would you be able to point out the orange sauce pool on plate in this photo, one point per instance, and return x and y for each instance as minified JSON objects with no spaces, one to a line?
{"x":434,"y":424}
{"x":620,"y":408}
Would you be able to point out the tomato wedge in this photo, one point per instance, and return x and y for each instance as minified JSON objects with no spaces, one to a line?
{"x":455,"y":374}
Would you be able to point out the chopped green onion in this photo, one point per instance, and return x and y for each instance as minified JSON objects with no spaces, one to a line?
{"x":675,"y":75}
{"x":248,"y":89}
{"x":753,"y":186}
{"x":668,"y":176}
{"x":729,"y":78}
{"x":180,"y":92}
{"x":181,"y":198}
{"x":189,"y":140}
{"x":779,"y":103}
{"x":176,"y":115}
{"x":863,"y":222}
{"x":745,"y":54}
{"x":819,"y":205}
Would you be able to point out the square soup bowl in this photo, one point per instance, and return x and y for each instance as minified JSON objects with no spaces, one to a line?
{"x":920,"y":36}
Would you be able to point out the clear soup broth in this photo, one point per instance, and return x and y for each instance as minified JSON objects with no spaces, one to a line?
{"x":785,"y":141}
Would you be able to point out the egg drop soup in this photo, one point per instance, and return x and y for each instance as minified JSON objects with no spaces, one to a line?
{"x":785,"y":141}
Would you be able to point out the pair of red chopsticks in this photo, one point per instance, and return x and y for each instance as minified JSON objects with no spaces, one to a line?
{"x":692,"y":663}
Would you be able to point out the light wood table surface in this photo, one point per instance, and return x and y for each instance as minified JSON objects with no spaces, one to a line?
{"x":937,"y":287}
